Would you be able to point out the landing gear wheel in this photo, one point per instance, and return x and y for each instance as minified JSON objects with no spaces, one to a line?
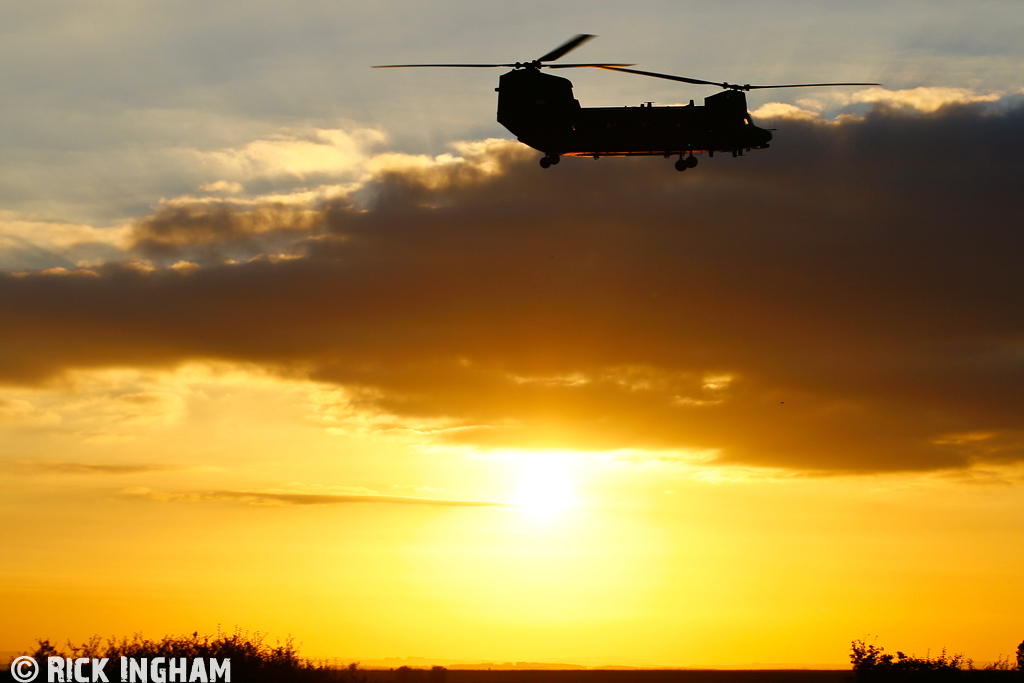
{"x":691,"y":161}
{"x":545,"y":162}
{"x":681,"y":165}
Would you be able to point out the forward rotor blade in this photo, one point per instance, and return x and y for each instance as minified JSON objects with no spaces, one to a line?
{"x":475,"y":66}
{"x":669,"y":77}
{"x":566,"y":47}
{"x":508,"y":66}
{"x":800,"y":85}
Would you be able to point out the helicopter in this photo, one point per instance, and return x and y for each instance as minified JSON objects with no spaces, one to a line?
{"x":540,"y":110}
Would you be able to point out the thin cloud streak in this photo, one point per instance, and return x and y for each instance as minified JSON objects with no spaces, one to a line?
{"x":86,"y":468}
{"x":289,"y":498}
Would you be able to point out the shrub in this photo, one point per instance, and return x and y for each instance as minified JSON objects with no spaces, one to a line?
{"x":872,"y":663}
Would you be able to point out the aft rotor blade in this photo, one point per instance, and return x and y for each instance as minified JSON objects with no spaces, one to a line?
{"x":582,"y":66}
{"x":475,"y":66}
{"x":733,"y":86}
{"x":682,"y":79}
{"x":800,"y":85}
{"x":566,"y":47}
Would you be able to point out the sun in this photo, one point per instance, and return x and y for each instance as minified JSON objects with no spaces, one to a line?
{"x":545,"y":484}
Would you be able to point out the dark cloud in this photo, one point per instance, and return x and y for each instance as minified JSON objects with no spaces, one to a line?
{"x":851,"y":299}
{"x":220,"y":230}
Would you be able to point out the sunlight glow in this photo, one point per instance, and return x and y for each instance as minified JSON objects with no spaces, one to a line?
{"x":545,"y":484}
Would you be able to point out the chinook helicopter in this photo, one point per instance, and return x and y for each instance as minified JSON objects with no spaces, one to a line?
{"x":540,"y":110}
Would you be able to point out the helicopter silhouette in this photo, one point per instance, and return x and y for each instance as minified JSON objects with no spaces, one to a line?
{"x":540,"y":110}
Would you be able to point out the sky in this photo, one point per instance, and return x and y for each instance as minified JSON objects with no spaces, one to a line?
{"x":309,"y":349}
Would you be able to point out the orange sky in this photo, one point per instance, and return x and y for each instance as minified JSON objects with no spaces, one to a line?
{"x":164,"y":501}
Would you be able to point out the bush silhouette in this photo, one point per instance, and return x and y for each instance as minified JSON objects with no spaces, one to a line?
{"x":252,"y":660}
{"x":871,"y":663}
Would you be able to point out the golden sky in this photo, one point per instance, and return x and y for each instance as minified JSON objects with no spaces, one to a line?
{"x":296,"y":376}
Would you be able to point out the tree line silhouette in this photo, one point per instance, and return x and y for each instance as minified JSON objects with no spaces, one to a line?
{"x":255,"y":661}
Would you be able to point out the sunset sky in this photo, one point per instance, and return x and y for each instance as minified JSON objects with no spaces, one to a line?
{"x":296,"y":345}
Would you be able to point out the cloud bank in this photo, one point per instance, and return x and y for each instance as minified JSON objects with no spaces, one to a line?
{"x":850,"y":300}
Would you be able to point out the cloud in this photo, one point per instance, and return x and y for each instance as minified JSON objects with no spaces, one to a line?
{"x":20,"y":413}
{"x":225,"y":186}
{"x":195,"y":228}
{"x":477,"y":162}
{"x":239,"y":228}
{"x":117,"y":411}
{"x":44,"y":466}
{"x":781,"y":110}
{"x":20,"y":254}
{"x":32,"y":244}
{"x":837,"y":105}
{"x":301,"y":153}
{"x":112,"y":405}
{"x":289,"y":498}
{"x":925,"y":99}
{"x":859,"y":285}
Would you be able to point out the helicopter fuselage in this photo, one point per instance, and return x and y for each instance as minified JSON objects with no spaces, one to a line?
{"x":540,"y":110}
